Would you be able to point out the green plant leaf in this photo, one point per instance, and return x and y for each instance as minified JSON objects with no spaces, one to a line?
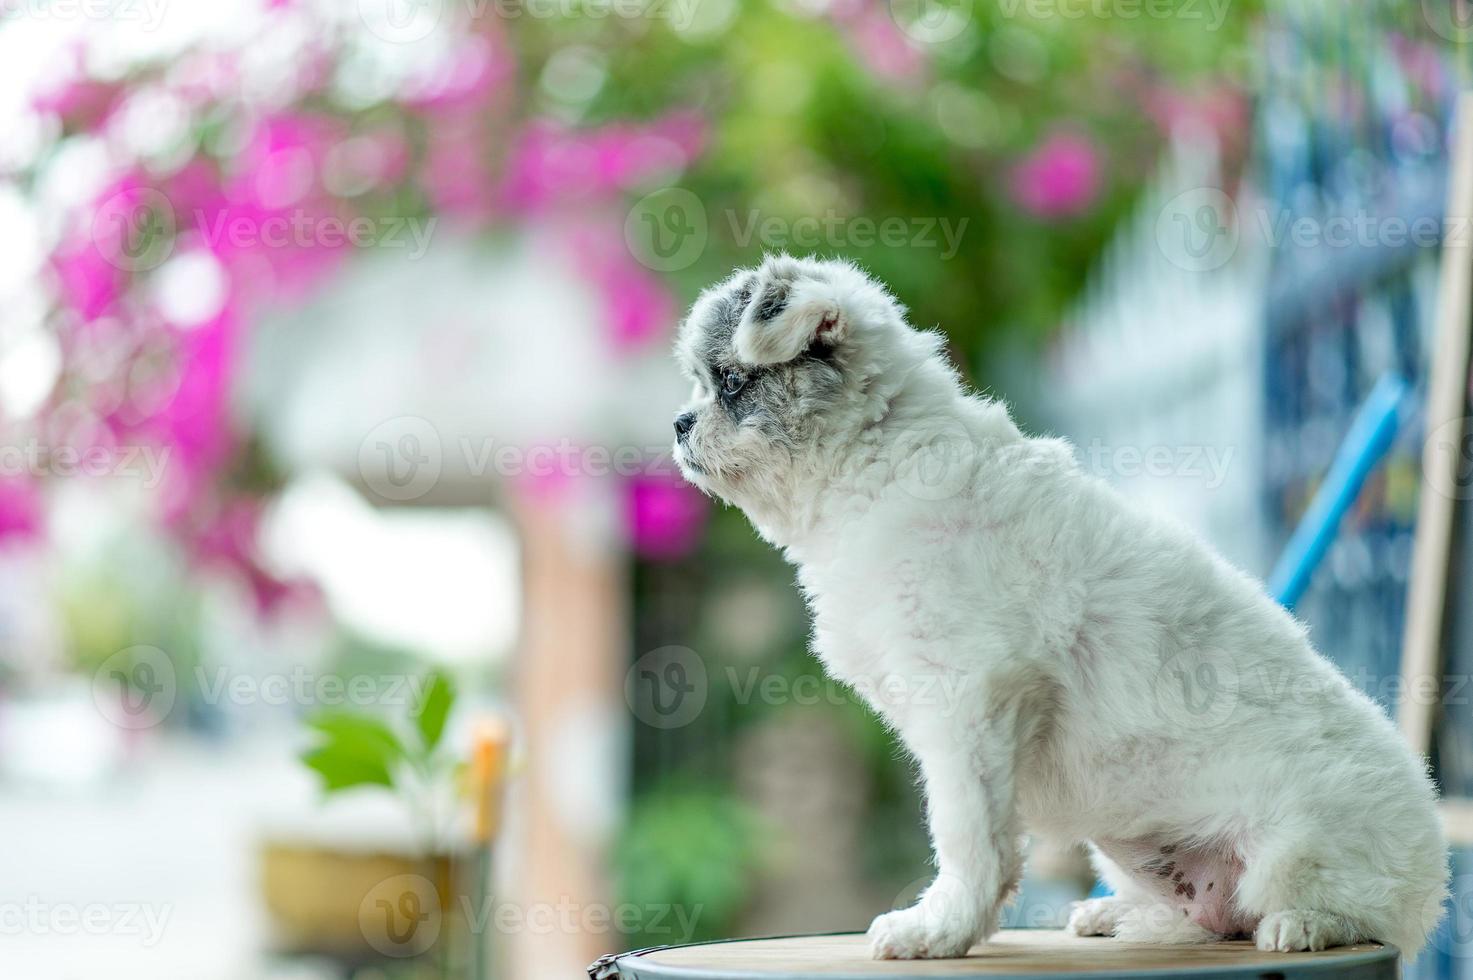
{"x":433,"y":708}
{"x":355,"y":751}
{"x":360,"y":735}
{"x":341,"y":768}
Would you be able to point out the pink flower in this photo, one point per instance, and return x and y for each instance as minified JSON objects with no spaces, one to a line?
{"x":665,"y":516}
{"x":83,"y":102}
{"x":280,"y":164}
{"x":1422,"y":62}
{"x":20,"y":509}
{"x":272,"y":222}
{"x":545,"y":487}
{"x":457,"y":173}
{"x":379,"y":158}
{"x":122,"y":223}
{"x":550,"y":164}
{"x":881,"y":45}
{"x":477,"y":66}
{"x":1221,"y":109}
{"x":393,"y":154}
{"x":637,"y":306}
{"x":194,"y":191}
{"x":88,"y":283}
{"x":1061,"y":177}
{"x":201,"y":77}
{"x":197,"y":419}
{"x":193,"y":422}
{"x":228,"y":539}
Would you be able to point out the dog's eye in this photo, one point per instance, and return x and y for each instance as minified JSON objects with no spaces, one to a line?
{"x":732,"y":381}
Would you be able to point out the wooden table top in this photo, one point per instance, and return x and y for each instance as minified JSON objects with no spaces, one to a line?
{"x":1034,"y":954}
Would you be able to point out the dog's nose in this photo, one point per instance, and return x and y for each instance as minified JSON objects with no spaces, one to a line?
{"x":683,"y":424}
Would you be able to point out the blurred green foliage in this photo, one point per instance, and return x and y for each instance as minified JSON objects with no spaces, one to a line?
{"x":690,"y":848}
{"x":803,"y":127}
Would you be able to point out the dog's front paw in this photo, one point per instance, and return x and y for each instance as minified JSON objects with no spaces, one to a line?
{"x":942,"y":925}
{"x":916,"y":934}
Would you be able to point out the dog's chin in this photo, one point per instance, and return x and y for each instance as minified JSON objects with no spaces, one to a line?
{"x":690,"y":468}
{"x":711,"y":480}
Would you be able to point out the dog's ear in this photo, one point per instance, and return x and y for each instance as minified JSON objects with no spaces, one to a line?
{"x":786,"y":317}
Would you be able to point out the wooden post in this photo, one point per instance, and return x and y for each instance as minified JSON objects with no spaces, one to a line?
{"x":1447,"y":400}
{"x":569,"y":689}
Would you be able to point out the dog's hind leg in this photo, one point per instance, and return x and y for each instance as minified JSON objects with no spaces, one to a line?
{"x":1162,"y":924}
{"x":1294,"y":931}
{"x":1098,"y":916}
{"x":1300,"y":895}
{"x":1132,"y":913}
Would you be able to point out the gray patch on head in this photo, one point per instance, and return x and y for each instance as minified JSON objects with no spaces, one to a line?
{"x":720,"y":324}
{"x":773,"y":301}
{"x":743,"y":294}
{"x":785,"y":400}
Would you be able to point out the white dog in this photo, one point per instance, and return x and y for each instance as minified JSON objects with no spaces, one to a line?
{"x":1054,"y":659}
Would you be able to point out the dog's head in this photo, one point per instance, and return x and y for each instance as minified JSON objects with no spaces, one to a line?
{"x":787,"y":362}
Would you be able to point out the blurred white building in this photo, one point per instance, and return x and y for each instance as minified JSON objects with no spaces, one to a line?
{"x":1157,"y":374}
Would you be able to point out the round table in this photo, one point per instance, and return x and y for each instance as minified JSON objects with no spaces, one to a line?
{"x":1034,"y":954}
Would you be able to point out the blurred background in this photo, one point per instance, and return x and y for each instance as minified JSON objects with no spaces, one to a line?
{"x":353,"y":619}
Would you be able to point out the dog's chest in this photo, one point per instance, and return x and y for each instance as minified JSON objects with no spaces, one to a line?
{"x":858,"y":614}
{"x":844,"y":637}
{"x":887,"y":634}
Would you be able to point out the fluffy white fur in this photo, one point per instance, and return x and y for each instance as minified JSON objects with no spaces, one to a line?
{"x":1120,"y":683}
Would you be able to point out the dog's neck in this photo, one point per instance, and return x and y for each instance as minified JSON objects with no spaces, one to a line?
{"x":805,"y":513}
